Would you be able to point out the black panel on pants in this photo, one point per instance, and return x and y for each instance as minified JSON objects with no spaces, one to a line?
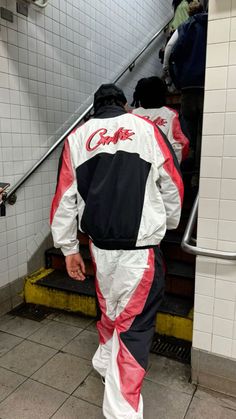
{"x":138,"y":338}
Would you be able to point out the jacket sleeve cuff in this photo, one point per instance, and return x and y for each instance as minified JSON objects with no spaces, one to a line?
{"x":70,"y":250}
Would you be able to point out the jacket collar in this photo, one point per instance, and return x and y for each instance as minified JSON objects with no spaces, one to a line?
{"x":109,"y":111}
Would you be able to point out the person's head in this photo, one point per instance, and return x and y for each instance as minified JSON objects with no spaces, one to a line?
{"x":176,"y":3}
{"x":109,"y":94}
{"x":195,"y":7}
{"x":149,"y":93}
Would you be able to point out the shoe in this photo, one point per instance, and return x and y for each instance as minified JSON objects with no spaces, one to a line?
{"x":103,"y":380}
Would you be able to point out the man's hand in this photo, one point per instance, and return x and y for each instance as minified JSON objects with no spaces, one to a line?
{"x":75,"y":267}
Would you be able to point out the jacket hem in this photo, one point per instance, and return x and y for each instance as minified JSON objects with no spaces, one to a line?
{"x":119,"y":245}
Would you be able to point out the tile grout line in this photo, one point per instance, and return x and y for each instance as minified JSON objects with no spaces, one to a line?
{"x":39,"y":343}
{"x":92,"y":369}
{"x":188,"y":407}
{"x":13,"y":391}
{"x":171,"y":388}
{"x":58,"y":351}
{"x":27,"y":378}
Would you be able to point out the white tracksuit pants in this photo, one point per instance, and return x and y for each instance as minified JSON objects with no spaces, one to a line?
{"x":129,"y":285}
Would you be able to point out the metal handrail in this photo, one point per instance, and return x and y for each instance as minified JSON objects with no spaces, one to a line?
{"x":196,"y":250}
{"x":79,"y":119}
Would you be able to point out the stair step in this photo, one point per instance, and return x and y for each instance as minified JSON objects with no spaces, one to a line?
{"x":61,"y":281}
{"x":44,"y":288}
{"x":179,"y":286}
{"x":180,"y":278}
{"x":176,"y":305}
{"x":172,"y":251}
{"x":181,"y":269}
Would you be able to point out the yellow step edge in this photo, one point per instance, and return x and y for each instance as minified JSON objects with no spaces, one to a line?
{"x":166,"y":324}
{"x":36,"y":294}
{"x":175,"y":326}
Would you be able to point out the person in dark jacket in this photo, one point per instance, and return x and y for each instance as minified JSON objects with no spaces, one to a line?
{"x":185,"y":60}
{"x":118,"y":179}
{"x":205,"y":5}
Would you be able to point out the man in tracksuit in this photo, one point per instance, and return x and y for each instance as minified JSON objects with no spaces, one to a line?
{"x":119,"y":183}
{"x":150,"y":102}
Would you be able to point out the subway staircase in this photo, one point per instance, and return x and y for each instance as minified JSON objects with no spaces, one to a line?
{"x":52,"y":287}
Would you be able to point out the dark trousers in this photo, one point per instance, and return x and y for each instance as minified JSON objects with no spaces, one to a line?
{"x":191,"y":116}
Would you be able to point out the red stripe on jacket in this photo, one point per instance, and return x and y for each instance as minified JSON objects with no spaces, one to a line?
{"x":65,"y":180}
{"x":169,"y":164}
{"x":179,"y":135}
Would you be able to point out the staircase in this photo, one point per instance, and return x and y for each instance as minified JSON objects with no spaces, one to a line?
{"x":52,"y":286}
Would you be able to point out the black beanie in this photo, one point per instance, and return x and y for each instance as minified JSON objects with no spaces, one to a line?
{"x":109,"y":91}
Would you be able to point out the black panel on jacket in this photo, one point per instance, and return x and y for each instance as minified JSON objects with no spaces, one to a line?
{"x":113,"y":188}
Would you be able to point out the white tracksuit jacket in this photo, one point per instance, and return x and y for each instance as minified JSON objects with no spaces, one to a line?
{"x":167,"y":120}
{"x":117,"y":174}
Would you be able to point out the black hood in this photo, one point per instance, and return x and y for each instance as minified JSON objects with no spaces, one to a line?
{"x":109,"y":91}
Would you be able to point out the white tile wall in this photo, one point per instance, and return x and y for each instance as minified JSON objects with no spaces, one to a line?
{"x":217,"y":55}
{"x":222,"y":345}
{"x":215,"y":307}
{"x":209,"y":188}
{"x":205,"y":286}
{"x":228,"y":210}
{"x":225,"y":290}
{"x":207,"y":228}
{"x":219,"y":9}
{"x":213,"y":124}
{"x":51,"y":63}
{"x":210,"y":166}
{"x":219,"y":31}
{"x":223,"y":327}
{"x":215,"y":101}
{"x":212,"y":145}
{"x":204,"y":304}
{"x":203,"y":322}
{"x":224,"y":309}
{"x":230,"y":123}
{"x":202,"y":340}
{"x":231,"y":100}
{"x":216,"y":78}
{"x":209,"y":208}
{"x":207,"y":243}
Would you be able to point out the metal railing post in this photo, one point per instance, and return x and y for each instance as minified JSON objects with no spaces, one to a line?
{"x":197,"y":250}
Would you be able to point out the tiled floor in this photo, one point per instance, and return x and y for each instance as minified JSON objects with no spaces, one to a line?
{"x":46,"y":372}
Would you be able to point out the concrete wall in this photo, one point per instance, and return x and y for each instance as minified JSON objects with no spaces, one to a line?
{"x":50,"y":64}
{"x":215,"y":299}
